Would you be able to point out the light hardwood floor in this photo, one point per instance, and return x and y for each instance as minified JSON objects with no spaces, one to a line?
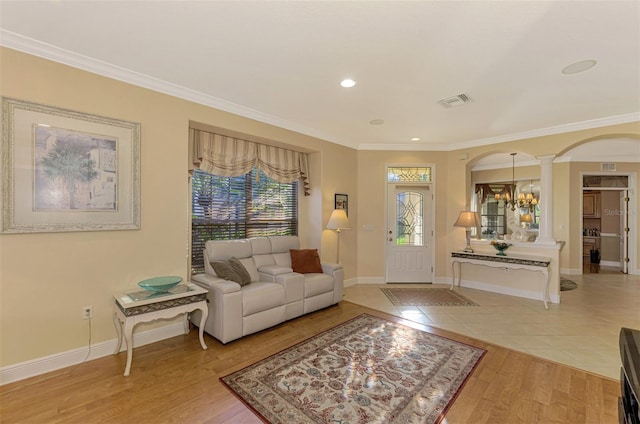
{"x":176,"y":381}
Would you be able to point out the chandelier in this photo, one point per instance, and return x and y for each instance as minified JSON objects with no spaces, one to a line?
{"x":523,"y":200}
{"x":528,"y":200}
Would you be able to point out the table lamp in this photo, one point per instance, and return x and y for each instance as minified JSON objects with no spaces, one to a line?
{"x":468,"y":219}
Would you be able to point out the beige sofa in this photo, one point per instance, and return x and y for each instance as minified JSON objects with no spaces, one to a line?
{"x":275,"y":293}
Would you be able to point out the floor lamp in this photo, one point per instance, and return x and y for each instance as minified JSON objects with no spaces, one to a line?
{"x":468,"y":219}
{"x":338,"y":221}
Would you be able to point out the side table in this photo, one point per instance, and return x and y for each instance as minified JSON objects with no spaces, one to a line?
{"x":143,"y":306}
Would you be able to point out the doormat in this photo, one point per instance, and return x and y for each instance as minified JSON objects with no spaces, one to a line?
{"x":366,"y":370}
{"x":426,"y":297}
{"x":566,"y":285}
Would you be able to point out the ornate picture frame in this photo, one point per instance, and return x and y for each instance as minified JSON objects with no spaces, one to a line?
{"x":64,"y":170}
{"x":341,"y":201}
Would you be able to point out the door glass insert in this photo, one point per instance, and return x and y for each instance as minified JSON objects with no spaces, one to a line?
{"x":409,"y":219}
{"x":406,"y":174}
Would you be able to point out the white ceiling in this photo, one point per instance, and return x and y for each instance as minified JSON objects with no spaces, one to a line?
{"x":281,"y":62}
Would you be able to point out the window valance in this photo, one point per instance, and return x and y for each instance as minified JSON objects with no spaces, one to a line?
{"x":485,"y":190}
{"x":227,"y":156}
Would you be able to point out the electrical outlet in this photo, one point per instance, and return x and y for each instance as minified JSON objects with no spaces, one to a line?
{"x":87,"y":312}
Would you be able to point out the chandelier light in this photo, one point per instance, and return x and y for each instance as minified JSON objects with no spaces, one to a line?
{"x":528,"y":201}
{"x":523,"y":200}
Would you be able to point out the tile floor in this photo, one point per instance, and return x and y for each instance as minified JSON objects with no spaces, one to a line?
{"x":582,"y":331}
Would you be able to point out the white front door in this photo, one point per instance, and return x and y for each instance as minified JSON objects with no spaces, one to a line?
{"x":409,"y":253}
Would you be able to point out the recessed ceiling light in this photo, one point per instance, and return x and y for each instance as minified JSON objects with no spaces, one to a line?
{"x":347,"y":83}
{"x":415,"y":139}
{"x":583,"y":65}
{"x":376,"y":121}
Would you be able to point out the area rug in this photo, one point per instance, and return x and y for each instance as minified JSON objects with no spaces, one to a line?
{"x":566,"y":285}
{"x":366,"y":370}
{"x":426,"y":297}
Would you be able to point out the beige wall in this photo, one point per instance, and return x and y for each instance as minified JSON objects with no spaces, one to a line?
{"x":372,"y":204}
{"x":46,"y":278}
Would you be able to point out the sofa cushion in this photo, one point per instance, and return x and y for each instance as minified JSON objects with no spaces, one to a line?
{"x":231,"y":270}
{"x":224,"y":249}
{"x":258,"y":297}
{"x":305,"y":261}
{"x":282,"y":244}
{"x":260,"y":246}
{"x":315,"y":284}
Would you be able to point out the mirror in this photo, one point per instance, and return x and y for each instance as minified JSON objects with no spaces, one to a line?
{"x":509,"y":212}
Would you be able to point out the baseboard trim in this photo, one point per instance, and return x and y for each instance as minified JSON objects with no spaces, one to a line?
{"x":370,"y":280}
{"x":32,"y":368}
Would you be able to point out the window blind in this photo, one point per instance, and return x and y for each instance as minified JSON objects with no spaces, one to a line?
{"x":250,"y":205}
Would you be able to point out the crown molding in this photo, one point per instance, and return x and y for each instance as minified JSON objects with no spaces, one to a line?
{"x":558,"y":129}
{"x":47,"y":51}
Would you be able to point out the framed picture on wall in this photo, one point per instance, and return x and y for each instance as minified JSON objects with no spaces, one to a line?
{"x":67,"y":171}
{"x":342,"y":202}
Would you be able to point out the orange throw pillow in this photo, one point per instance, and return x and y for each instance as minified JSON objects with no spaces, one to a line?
{"x":305,"y":261}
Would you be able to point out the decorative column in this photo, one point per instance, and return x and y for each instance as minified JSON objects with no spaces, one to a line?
{"x":545,"y":235}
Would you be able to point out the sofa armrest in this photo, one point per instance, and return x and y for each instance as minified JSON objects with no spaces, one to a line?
{"x":330,"y":268}
{"x":213,"y":282}
{"x":337,"y":273}
{"x":269,"y":272}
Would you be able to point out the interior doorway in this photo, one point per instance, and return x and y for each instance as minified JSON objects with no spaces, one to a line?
{"x":605,"y":223}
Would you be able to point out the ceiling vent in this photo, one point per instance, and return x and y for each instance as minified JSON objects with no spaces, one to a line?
{"x":458,"y":100}
{"x":608,"y":167}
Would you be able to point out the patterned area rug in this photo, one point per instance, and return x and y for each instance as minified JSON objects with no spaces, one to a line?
{"x":367,"y":370}
{"x":426,"y":297}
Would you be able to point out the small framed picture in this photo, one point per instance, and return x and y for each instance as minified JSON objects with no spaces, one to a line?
{"x":342,"y":202}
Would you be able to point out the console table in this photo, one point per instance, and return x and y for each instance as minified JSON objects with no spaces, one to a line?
{"x":144,"y":306}
{"x":504,"y":262}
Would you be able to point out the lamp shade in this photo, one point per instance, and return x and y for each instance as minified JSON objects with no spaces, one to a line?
{"x":338,"y":220}
{"x":468,"y":219}
{"x":526,"y":218}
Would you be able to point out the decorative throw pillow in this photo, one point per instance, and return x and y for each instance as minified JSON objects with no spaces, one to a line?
{"x":237,"y":266}
{"x":305,"y":261}
{"x":225,"y":271}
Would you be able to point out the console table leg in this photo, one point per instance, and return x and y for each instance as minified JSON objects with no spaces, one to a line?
{"x":546,"y":287}
{"x":186,"y":323}
{"x":453,"y":273}
{"x":118,"y":325}
{"x":128,"y":335}
{"x":203,"y":319}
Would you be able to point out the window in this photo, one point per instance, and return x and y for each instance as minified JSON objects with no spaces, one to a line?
{"x":225,"y":208}
{"x":493,"y":217}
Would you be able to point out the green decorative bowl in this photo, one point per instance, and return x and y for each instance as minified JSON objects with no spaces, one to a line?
{"x":160,"y":284}
{"x":500,"y":247}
